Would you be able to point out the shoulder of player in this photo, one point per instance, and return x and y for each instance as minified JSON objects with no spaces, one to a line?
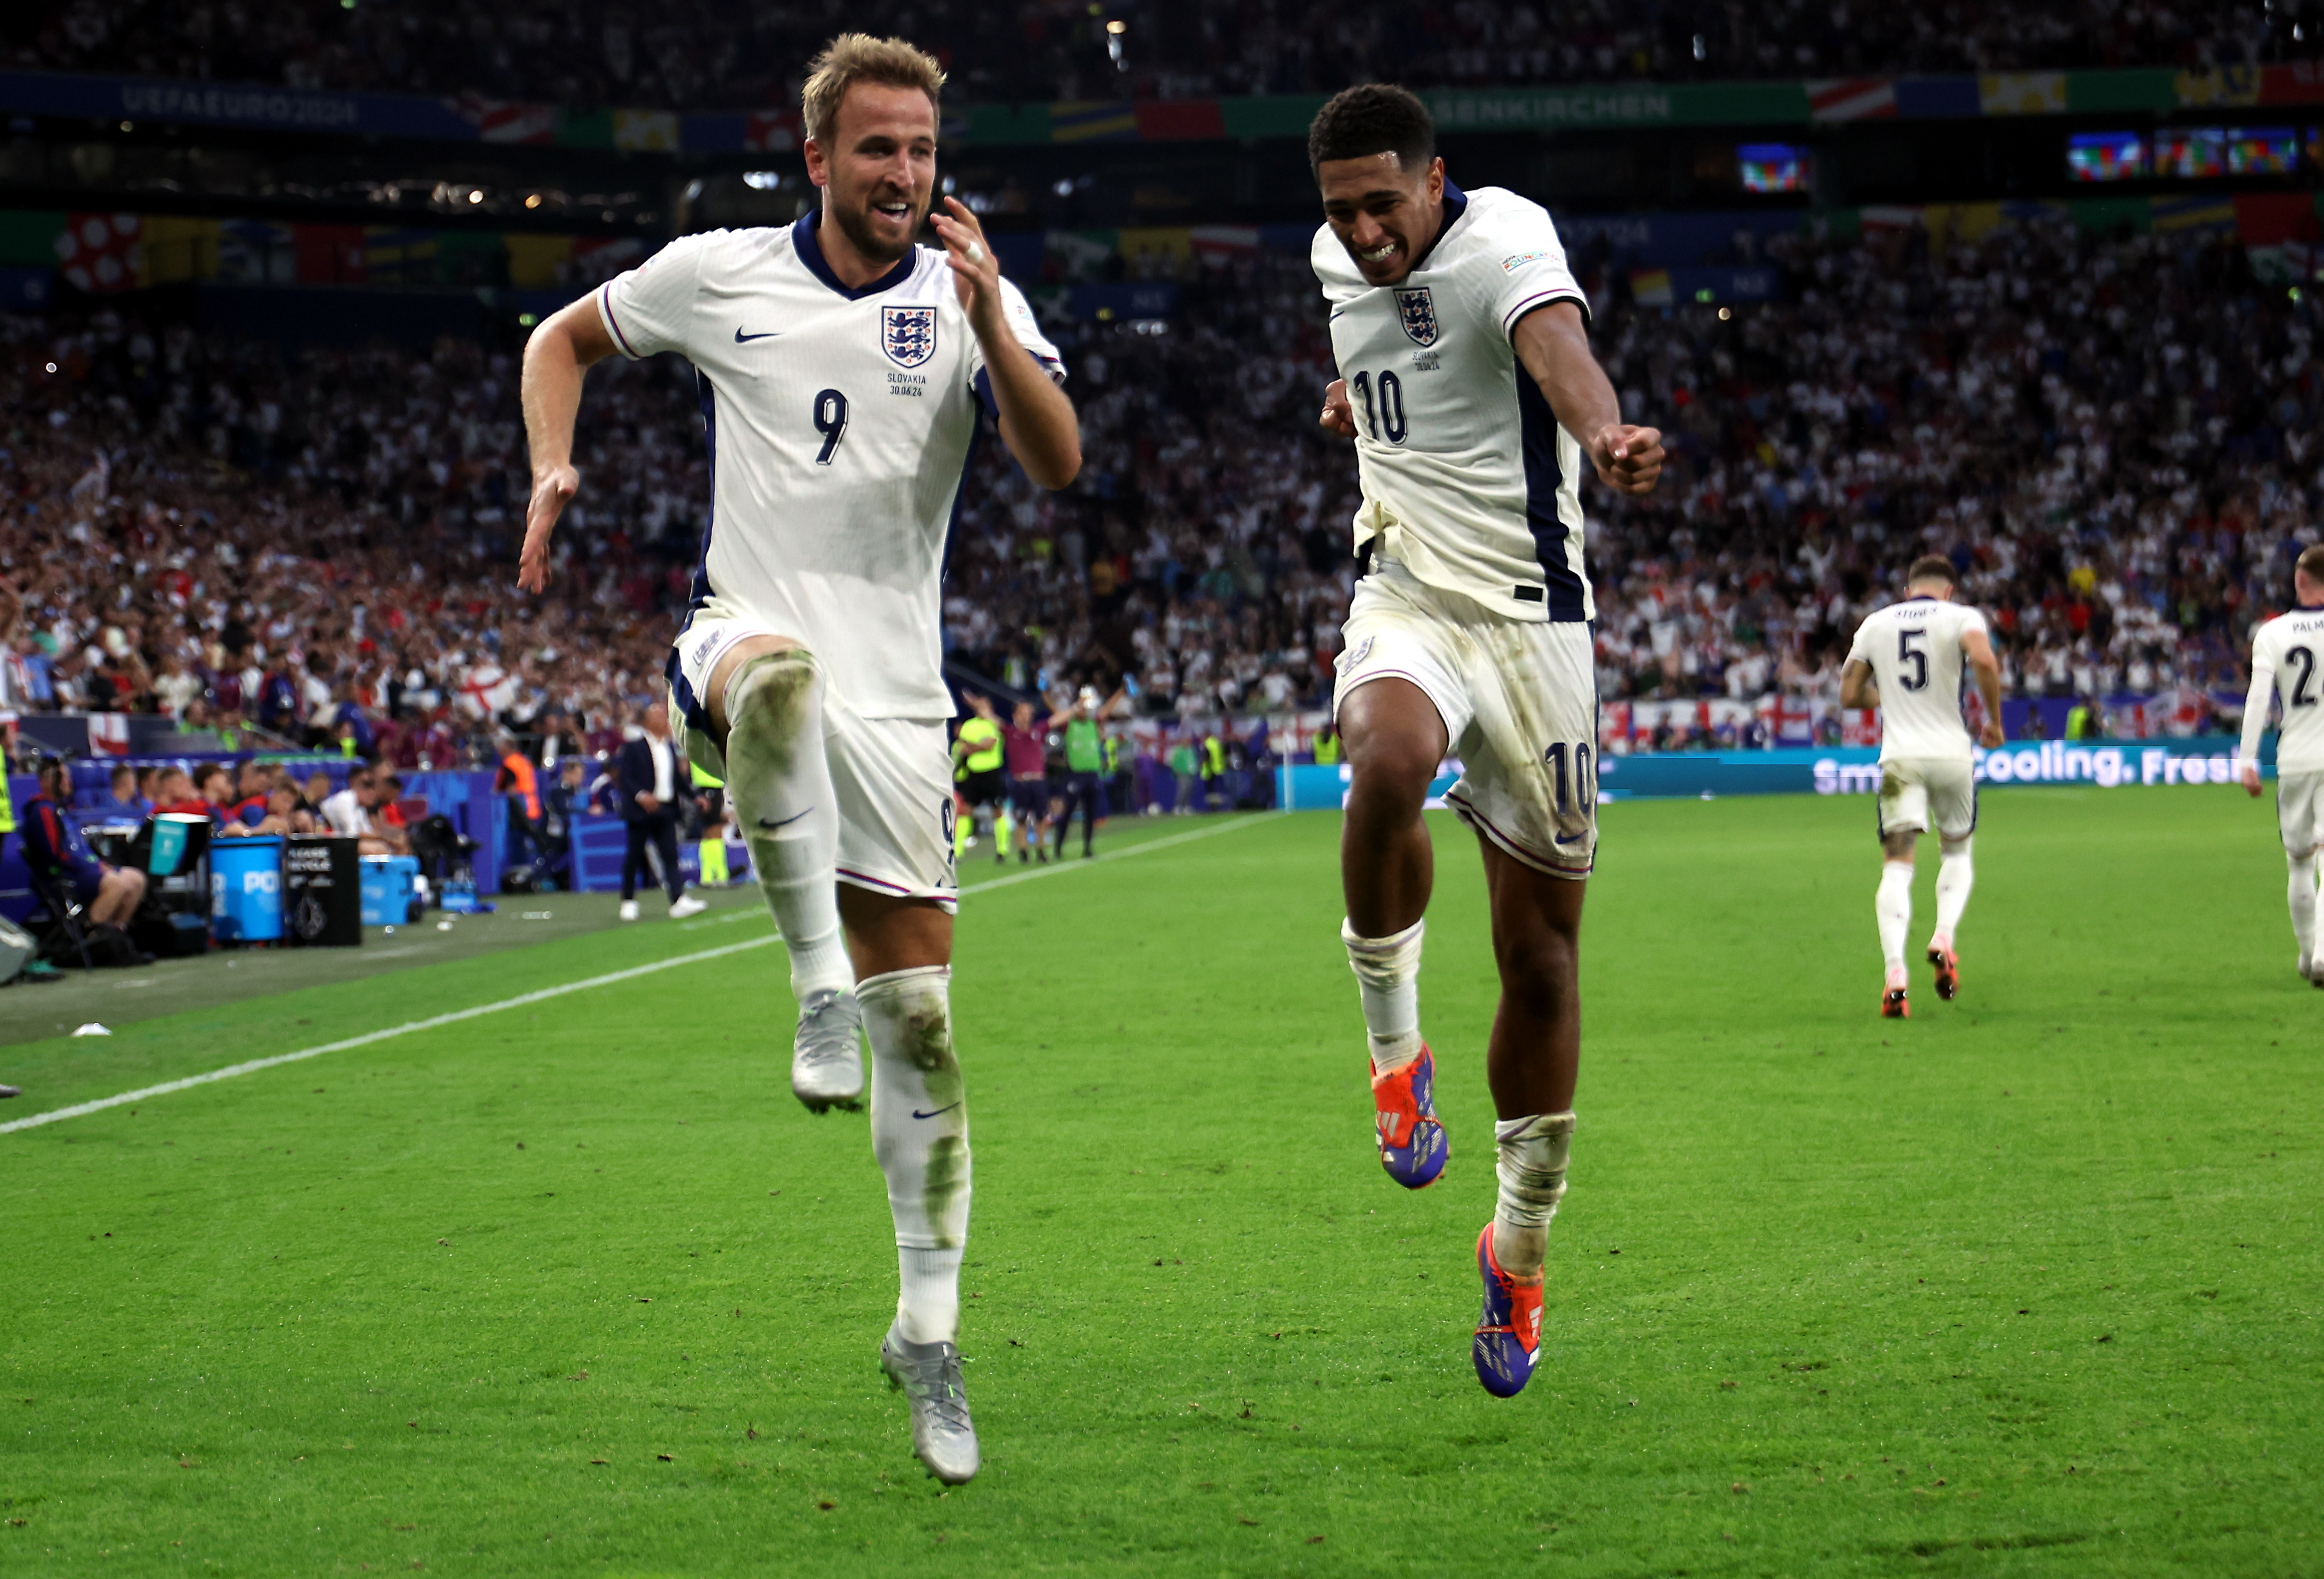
{"x":1497,"y":227}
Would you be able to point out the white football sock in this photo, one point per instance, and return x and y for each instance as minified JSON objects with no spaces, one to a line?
{"x":779,"y":780}
{"x":1955,"y":876}
{"x":920,"y":1134}
{"x":1388,"y":978}
{"x":2303,"y":897}
{"x":1893,"y":906}
{"x":1531,"y":1171}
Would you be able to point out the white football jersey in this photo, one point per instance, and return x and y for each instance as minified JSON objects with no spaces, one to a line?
{"x":839,"y":423}
{"x":1914,"y":649}
{"x":1468,"y":480}
{"x":2284,"y":654}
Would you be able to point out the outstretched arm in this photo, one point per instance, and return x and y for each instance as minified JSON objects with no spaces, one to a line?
{"x":1553,"y":344}
{"x":1036,"y":419}
{"x":1986,"y":669}
{"x":560,"y":352}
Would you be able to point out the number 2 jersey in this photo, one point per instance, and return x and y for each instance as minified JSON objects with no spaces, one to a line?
{"x":2286,"y":653}
{"x":1915,"y":650}
{"x":839,"y":423}
{"x":1468,"y":480}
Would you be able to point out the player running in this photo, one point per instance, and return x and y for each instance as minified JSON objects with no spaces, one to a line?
{"x":1467,"y":385}
{"x":2286,"y":649}
{"x":1906,"y":661}
{"x":842,"y":368}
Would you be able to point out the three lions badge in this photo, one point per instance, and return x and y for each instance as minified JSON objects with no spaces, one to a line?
{"x":1418,"y":314}
{"x":908,"y":334}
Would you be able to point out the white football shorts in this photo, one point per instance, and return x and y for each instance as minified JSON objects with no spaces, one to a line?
{"x":892,"y":777}
{"x":1520,"y":702}
{"x":1915,"y":791}
{"x":2299,"y":799}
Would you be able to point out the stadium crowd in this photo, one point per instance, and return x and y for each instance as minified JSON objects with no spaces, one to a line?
{"x":697,"y":55}
{"x":2112,"y":436}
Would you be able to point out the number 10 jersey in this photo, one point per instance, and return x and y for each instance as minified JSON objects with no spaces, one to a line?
{"x":839,"y":423}
{"x":1914,"y":651}
{"x":1468,"y":480}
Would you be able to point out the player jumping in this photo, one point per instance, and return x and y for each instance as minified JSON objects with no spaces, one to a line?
{"x":1906,"y":661}
{"x":2283,"y":659}
{"x":841,"y":368}
{"x":1467,"y":385}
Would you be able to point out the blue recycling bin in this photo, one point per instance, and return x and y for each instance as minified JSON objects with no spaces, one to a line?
{"x":246,"y":890}
{"x":390,"y":883}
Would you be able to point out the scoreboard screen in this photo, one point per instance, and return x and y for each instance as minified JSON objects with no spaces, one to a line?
{"x":2263,"y":150}
{"x":2106,"y":156}
{"x":2191,"y":152}
{"x":1772,"y":167}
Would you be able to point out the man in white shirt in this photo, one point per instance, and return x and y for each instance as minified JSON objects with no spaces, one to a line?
{"x":1467,"y":382}
{"x":2285,"y":651}
{"x":1907,"y":662}
{"x":842,"y":368}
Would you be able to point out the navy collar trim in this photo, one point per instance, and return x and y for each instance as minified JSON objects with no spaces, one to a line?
{"x":810,"y":252}
{"x":1920,"y":597}
{"x":1456,"y":203}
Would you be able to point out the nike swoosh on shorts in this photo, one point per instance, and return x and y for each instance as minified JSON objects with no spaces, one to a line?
{"x":919,"y":1114}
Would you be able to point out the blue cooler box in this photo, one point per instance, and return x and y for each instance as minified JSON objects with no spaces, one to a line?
{"x":390,"y":883}
{"x":246,"y":890}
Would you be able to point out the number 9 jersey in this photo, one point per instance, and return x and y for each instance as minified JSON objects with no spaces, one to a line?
{"x":1468,"y":480}
{"x":1913,"y":649}
{"x":839,"y":424}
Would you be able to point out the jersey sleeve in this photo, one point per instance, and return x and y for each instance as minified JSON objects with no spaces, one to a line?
{"x":2255,"y":702}
{"x":1525,"y":267}
{"x":1859,"y":651}
{"x":650,"y":308}
{"x":1018,"y":312}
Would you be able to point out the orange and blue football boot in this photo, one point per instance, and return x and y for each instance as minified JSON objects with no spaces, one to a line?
{"x":1413,"y":1146}
{"x":1508,"y":1332}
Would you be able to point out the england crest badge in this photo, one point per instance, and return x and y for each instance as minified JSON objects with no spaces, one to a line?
{"x":908,"y":334}
{"x":1418,"y":314}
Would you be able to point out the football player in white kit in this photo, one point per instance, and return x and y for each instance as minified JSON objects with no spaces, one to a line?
{"x":1907,"y":662}
{"x":1469,"y":387}
{"x":841,"y":368}
{"x":2285,"y":652}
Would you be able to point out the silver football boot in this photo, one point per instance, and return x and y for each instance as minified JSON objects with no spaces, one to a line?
{"x":929,"y":1375}
{"x":826,"y":1058}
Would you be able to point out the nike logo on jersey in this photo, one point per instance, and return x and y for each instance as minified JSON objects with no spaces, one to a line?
{"x":742,"y":339}
{"x":919,"y":1114}
{"x":1563,"y":839}
{"x":785,"y":822}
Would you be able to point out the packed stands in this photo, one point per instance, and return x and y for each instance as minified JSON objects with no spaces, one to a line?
{"x":2110,"y":434}
{"x":702,"y":56}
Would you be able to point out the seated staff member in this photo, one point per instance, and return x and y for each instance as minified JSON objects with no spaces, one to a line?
{"x":56,"y":851}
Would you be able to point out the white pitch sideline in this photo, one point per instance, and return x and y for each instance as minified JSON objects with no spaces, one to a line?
{"x":252,"y":1067}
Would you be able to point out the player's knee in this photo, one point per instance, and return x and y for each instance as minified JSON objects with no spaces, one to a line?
{"x":1952,"y":847}
{"x":1538,"y":968}
{"x":780,"y":688}
{"x":1392,"y":768}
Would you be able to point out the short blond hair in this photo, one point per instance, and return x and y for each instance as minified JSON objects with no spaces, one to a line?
{"x":858,"y":57}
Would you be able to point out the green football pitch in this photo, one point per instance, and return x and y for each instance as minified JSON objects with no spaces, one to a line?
{"x":2026,"y":1285}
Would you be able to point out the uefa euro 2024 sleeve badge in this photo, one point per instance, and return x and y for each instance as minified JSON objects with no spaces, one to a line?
{"x":908,"y":334}
{"x":1418,"y":314}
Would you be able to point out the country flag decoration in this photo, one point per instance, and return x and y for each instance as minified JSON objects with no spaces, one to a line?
{"x":100,"y":253}
{"x":1112,"y":122}
{"x":646,"y":131}
{"x":1852,"y":98}
{"x":2022,"y":93}
{"x":501,"y":120}
{"x":770,"y":130}
{"x":1651,"y":287}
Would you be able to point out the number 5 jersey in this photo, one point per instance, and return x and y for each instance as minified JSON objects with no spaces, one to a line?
{"x":839,"y":424}
{"x":1915,"y":650}
{"x":1468,"y":480}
